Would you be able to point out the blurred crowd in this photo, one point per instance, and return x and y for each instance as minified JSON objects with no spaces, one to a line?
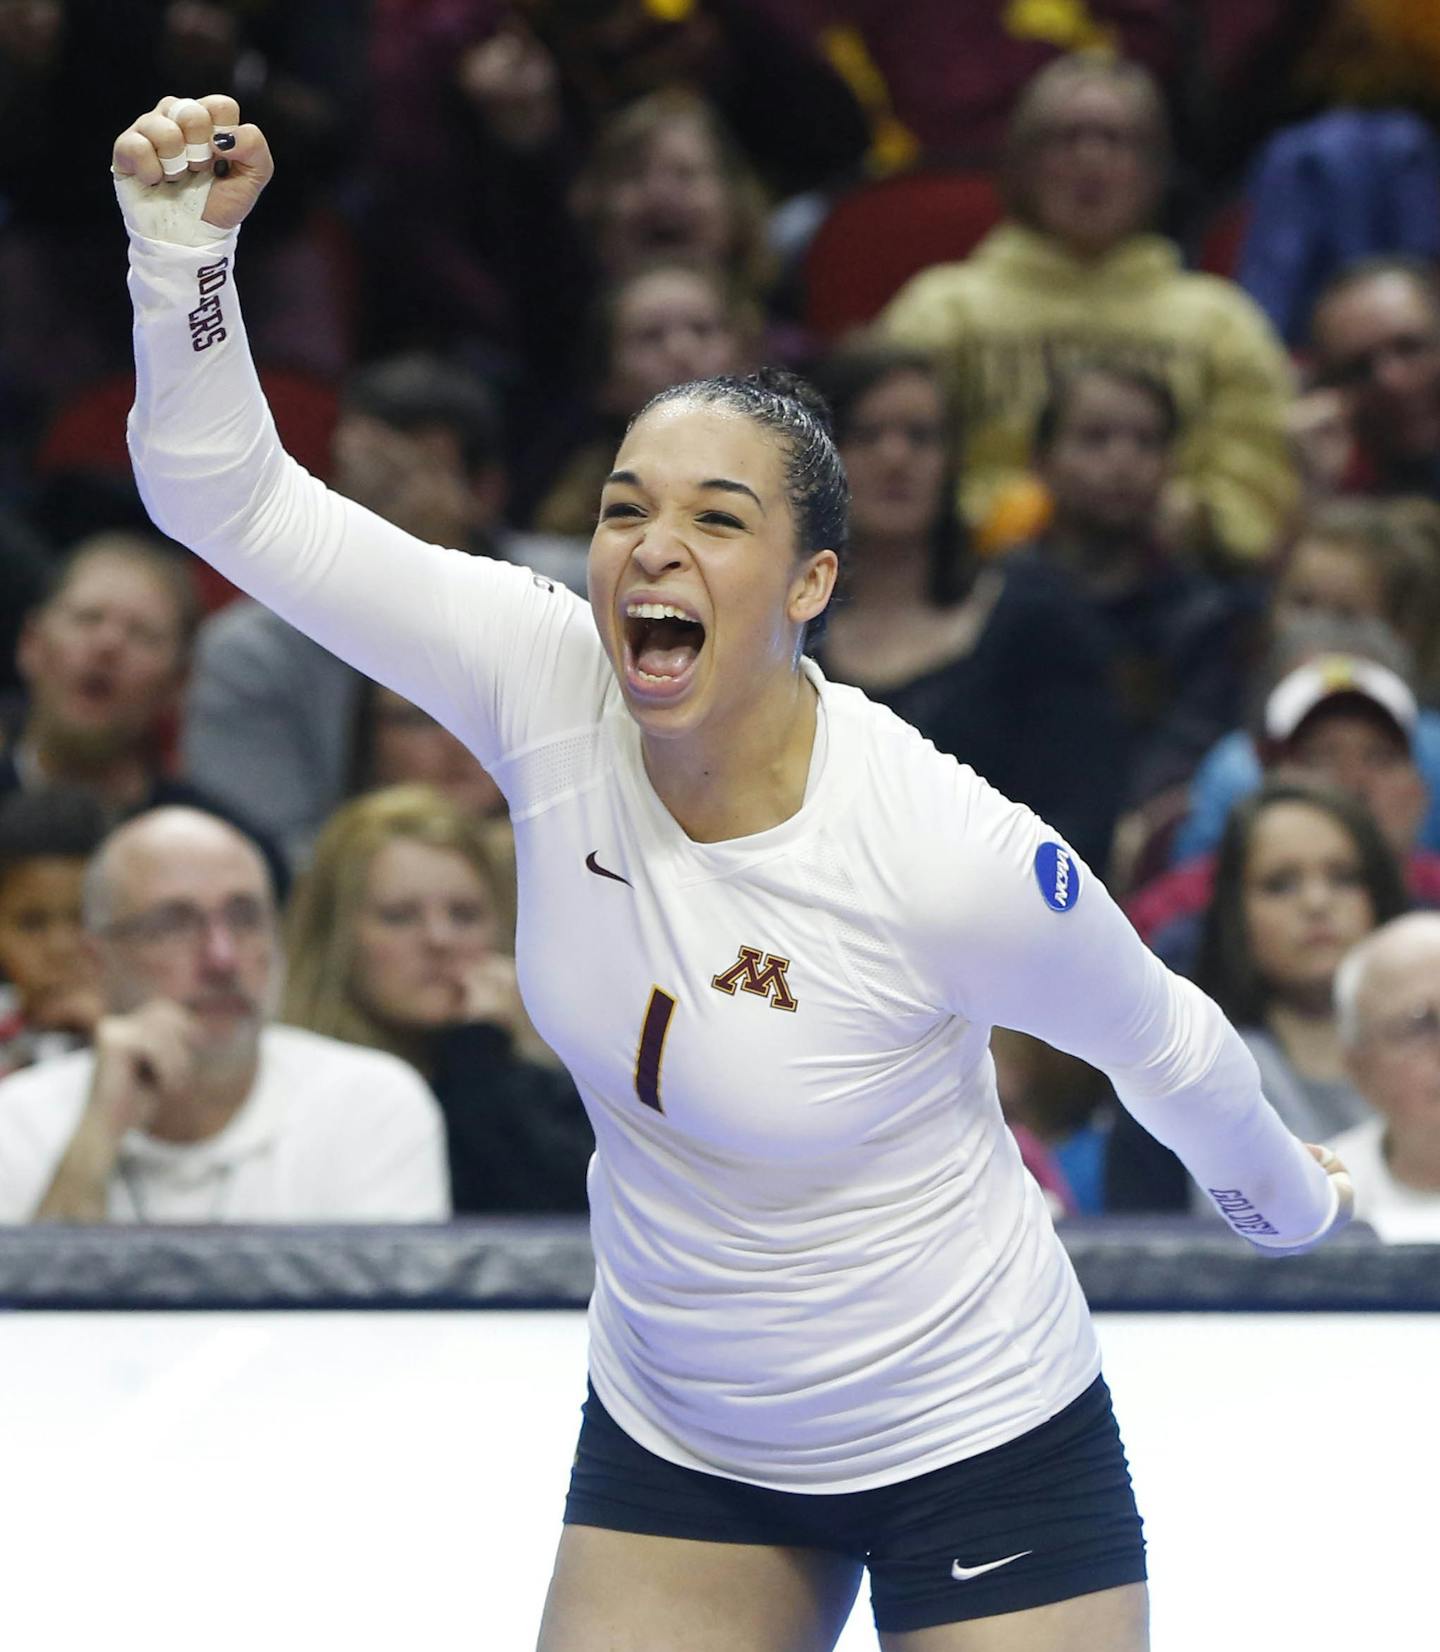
{"x":1128,"y":315}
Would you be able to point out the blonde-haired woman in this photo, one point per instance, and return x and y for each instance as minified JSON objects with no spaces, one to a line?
{"x":400,"y":938}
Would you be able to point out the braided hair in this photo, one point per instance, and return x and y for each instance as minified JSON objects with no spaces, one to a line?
{"x":795,"y":413}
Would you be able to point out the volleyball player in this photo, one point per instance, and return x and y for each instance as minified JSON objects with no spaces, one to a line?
{"x":769,"y":929}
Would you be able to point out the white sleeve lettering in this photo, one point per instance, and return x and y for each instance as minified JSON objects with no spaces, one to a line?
{"x":497,"y":654}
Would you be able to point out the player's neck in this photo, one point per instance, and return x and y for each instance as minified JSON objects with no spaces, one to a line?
{"x":744,"y":778}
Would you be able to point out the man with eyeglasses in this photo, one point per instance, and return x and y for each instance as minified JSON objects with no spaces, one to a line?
{"x":1076,"y":273}
{"x":1375,"y":335}
{"x":191,"y":1107}
{"x":1387,"y":1001}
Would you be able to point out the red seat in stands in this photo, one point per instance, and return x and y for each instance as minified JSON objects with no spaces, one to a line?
{"x":880,"y":234}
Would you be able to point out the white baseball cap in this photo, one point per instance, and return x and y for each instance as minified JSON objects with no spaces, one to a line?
{"x":1327,"y":677}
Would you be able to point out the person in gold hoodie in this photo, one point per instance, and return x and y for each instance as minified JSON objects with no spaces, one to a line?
{"x":1073,"y":274}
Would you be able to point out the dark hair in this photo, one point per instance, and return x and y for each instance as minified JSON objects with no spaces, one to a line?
{"x":796,"y":415}
{"x":1225,"y":967}
{"x":416,"y":391}
{"x":844,"y":378}
{"x":1068,"y":383}
{"x":50,"y":822}
{"x":169,"y":563}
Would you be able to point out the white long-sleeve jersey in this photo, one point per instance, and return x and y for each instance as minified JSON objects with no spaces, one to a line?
{"x":820,"y":1265}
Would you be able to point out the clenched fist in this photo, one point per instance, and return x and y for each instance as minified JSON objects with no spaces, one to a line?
{"x":188,"y":171}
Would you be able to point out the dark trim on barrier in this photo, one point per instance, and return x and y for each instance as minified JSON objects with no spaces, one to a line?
{"x":1124,"y":1265}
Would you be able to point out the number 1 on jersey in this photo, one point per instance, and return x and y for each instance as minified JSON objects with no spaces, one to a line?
{"x":652,"y":1047}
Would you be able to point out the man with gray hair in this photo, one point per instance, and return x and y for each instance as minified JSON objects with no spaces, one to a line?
{"x":1387,"y":1000}
{"x":191,"y":1107}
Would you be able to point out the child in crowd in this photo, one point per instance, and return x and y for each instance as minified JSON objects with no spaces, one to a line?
{"x":49,"y":988}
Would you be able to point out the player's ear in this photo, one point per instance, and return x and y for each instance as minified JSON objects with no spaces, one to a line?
{"x":812,"y":587}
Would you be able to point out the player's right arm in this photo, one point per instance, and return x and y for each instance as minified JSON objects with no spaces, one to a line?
{"x":447,"y":631}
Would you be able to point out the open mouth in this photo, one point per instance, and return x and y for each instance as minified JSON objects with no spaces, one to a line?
{"x":668,"y":233}
{"x":95,"y":688}
{"x":662,"y":644}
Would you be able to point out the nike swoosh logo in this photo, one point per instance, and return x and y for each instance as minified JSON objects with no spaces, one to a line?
{"x":593,"y":865}
{"x":963,"y":1574}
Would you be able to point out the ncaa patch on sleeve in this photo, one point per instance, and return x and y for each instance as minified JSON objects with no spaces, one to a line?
{"x":1058,"y":875}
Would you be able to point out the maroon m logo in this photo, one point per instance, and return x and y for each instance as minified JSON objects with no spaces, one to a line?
{"x":760,"y":973}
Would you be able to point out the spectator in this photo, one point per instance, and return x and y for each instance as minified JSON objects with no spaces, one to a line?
{"x":1062,"y":1106}
{"x":190,"y":1108}
{"x":1339,"y":720}
{"x":665,"y":179}
{"x":399,"y":941}
{"x":64,"y":81}
{"x":1375,"y":337}
{"x":1177,"y":637}
{"x":993,"y":663}
{"x":1354,"y":583}
{"x":49,"y":990}
{"x":401,"y":745}
{"x":1387,"y":998}
{"x":511,"y":98}
{"x":1072,"y":275}
{"x":665,"y":323}
{"x":1302,"y":874}
{"x":1344,"y":185}
{"x":104,"y":660}
{"x":953,"y":72}
{"x":271,"y":720}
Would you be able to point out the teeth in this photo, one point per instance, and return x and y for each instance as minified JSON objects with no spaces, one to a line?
{"x":656,"y":611}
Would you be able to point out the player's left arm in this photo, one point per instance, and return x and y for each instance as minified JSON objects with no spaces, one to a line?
{"x":1029,"y":938}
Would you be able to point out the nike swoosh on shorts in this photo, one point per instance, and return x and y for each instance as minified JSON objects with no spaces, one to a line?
{"x":963,"y":1574}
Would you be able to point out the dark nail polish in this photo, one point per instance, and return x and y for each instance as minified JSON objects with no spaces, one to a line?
{"x":222,"y":167}
{"x":224,"y":140}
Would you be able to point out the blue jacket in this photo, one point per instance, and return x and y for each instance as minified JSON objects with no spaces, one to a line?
{"x":1344,"y":186}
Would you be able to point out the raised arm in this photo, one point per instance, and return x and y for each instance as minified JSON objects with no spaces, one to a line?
{"x":445,"y":630}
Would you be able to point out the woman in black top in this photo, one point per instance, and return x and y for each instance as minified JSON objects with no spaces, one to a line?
{"x":992,"y":661}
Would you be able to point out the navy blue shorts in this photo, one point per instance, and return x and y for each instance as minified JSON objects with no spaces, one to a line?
{"x":939,"y":1548}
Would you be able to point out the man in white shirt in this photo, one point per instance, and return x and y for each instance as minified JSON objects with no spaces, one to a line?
{"x":189,"y":1108}
{"x":1387,"y":996}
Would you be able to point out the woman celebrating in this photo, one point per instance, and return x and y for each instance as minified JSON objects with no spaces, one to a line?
{"x":1303,"y":874}
{"x":396,"y":939}
{"x":768,"y":929}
